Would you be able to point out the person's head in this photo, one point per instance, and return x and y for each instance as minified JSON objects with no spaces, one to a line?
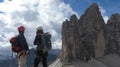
{"x":21,"y":29}
{"x":40,"y":30}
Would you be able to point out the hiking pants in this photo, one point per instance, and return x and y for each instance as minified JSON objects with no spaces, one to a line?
{"x":42,"y":58}
{"x":22,"y":61}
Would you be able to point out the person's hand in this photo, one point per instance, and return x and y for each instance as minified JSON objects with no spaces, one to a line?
{"x":24,"y":52}
{"x":27,"y":52}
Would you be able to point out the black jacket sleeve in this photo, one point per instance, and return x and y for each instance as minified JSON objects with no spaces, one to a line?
{"x":37,"y":40}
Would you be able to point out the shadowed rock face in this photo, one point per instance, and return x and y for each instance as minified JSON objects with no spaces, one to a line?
{"x":88,"y":38}
{"x":92,"y":24}
{"x":69,"y":38}
{"x":83,"y":38}
{"x":113,"y":34}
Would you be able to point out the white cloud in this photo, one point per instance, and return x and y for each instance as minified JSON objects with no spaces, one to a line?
{"x":103,"y":11}
{"x":31,"y":13}
{"x":105,"y":18}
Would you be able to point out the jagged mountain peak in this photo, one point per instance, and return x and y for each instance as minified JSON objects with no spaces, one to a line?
{"x":89,"y":42}
{"x":73,"y":18}
{"x":94,"y":8}
{"x":92,"y":16}
{"x":116,"y":15}
{"x":94,"y":5}
{"x":90,"y":27}
{"x":113,"y":34}
{"x":115,"y":18}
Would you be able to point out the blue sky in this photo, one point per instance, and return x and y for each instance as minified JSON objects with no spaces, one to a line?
{"x":111,"y":6}
{"x":1,"y":0}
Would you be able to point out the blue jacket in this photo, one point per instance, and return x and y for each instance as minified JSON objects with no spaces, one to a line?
{"x":22,"y":42}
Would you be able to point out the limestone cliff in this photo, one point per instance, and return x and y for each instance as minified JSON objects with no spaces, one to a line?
{"x":83,"y":38}
{"x":89,"y":42}
{"x":113,"y":34}
{"x":92,"y":25}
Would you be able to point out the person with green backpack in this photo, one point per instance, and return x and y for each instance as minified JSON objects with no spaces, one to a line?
{"x":43,"y":42}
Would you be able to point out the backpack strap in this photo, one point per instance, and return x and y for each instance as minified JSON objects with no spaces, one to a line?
{"x":43,"y":39}
{"x":44,"y":44}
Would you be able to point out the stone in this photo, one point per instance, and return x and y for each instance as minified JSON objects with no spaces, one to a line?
{"x":89,"y":37}
{"x":113,"y":34}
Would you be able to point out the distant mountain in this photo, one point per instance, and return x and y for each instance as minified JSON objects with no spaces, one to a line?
{"x":8,"y":61}
{"x":4,"y":57}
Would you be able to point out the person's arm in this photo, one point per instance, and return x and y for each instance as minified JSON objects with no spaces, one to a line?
{"x":35,"y":41}
{"x":27,"y":47}
{"x":23,"y":43}
{"x":38,"y":40}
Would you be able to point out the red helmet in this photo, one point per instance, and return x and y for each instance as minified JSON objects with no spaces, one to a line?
{"x":21,"y":28}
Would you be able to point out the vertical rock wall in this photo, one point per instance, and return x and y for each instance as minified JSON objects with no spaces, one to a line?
{"x":83,"y":38}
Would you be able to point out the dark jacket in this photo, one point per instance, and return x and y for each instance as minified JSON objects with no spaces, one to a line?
{"x":23,"y":43}
{"x":38,"y":41}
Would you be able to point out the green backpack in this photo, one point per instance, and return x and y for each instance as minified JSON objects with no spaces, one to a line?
{"x":46,"y":38}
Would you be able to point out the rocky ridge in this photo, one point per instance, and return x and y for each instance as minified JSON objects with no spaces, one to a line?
{"x":89,"y":42}
{"x":84,"y":36}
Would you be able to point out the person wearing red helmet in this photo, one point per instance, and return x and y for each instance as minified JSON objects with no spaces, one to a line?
{"x":24,"y":47}
{"x":21,"y":28}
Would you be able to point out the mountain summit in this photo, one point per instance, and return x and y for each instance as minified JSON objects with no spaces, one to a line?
{"x":83,"y":36}
{"x":89,"y":42}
